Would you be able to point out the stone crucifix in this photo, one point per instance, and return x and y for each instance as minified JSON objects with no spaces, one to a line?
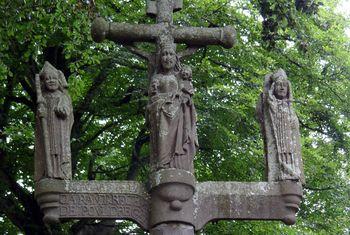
{"x":194,"y":37}
{"x":173,"y":203}
{"x":170,"y":113}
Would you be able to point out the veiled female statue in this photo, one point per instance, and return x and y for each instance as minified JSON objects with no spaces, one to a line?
{"x":54,"y":122}
{"x":171,"y":113}
{"x":280,"y":128}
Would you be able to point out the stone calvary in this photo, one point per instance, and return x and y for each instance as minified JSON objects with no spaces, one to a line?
{"x":173,"y":202}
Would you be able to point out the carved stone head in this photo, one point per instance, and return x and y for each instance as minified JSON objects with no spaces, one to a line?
{"x":281,"y":85}
{"x":168,"y":58}
{"x":186,"y":72}
{"x":51,"y":78}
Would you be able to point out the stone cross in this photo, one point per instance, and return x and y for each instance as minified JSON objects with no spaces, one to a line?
{"x":125,"y":33}
{"x":173,"y":202}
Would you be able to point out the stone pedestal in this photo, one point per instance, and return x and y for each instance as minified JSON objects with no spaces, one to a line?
{"x":171,"y":192}
{"x":172,"y":229}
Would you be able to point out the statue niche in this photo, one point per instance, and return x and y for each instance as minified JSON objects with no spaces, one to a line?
{"x":171,"y":113}
{"x":280,"y":129}
{"x":54,"y":120}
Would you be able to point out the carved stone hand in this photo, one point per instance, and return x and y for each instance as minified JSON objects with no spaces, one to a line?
{"x":42,"y":109}
{"x":61,"y":111}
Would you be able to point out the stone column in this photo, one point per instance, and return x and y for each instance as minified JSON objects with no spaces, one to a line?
{"x":172,"y":205}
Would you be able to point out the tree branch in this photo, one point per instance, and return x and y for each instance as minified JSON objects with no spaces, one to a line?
{"x":130,"y":65}
{"x":29,"y":89}
{"x":142,"y":54}
{"x":187,"y":52}
{"x":101,"y":170}
{"x":90,"y":173}
{"x":6,"y":106}
{"x":82,"y":107}
{"x":23,"y":100}
{"x":141,"y":139}
{"x":78,"y":146}
{"x":231,"y":68}
{"x":27,"y":214}
{"x":94,"y":136}
{"x":324,"y":188}
{"x":23,"y":195}
{"x":319,"y":130}
{"x":13,"y":212}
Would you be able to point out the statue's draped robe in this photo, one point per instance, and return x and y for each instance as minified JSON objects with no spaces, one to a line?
{"x":59,"y":130}
{"x":172,"y":120}
{"x":285,"y":128}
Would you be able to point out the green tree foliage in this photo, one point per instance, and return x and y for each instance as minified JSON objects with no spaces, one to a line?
{"x":108,"y":86}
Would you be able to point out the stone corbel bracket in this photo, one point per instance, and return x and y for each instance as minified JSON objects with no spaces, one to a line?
{"x":172,"y":191}
{"x":246,"y":201}
{"x":70,"y":199}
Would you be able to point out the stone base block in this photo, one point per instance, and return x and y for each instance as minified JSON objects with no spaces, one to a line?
{"x":171,"y":192}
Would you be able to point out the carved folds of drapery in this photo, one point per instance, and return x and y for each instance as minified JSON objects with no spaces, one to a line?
{"x":54,"y":120}
{"x":171,"y":114}
{"x":280,"y":129}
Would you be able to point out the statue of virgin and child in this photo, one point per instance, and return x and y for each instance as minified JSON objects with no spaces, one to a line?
{"x":171,"y":113}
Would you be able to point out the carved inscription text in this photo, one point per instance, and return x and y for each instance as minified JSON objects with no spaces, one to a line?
{"x":119,"y":206}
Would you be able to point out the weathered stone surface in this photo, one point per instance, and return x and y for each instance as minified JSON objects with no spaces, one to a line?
{"x":171,"y":175}
{"x":106,"y":186}
{"x":280,"y":129}
{"x":93,"y":199}
{"x":152,"y":7}
{"x":246,"y":201}
{"x":54,"y":120}
{"x":173,"y":229}
{"x":129,"y":33}
{"x":116,"y":206}
{"x":172,"y":191}
{"x":171,"y":113}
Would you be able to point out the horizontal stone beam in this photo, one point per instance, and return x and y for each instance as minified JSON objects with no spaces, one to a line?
{"x":246,"y":201}
{"x":69,"y":199}
{"x":197,"y":36}
{"x":125,"y":33}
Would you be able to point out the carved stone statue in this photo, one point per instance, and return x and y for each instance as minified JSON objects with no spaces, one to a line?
{"x":171,"y":113}
{"x":54,"y":122}
{"x":280,"y":129}
{"x":172,"y":201}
